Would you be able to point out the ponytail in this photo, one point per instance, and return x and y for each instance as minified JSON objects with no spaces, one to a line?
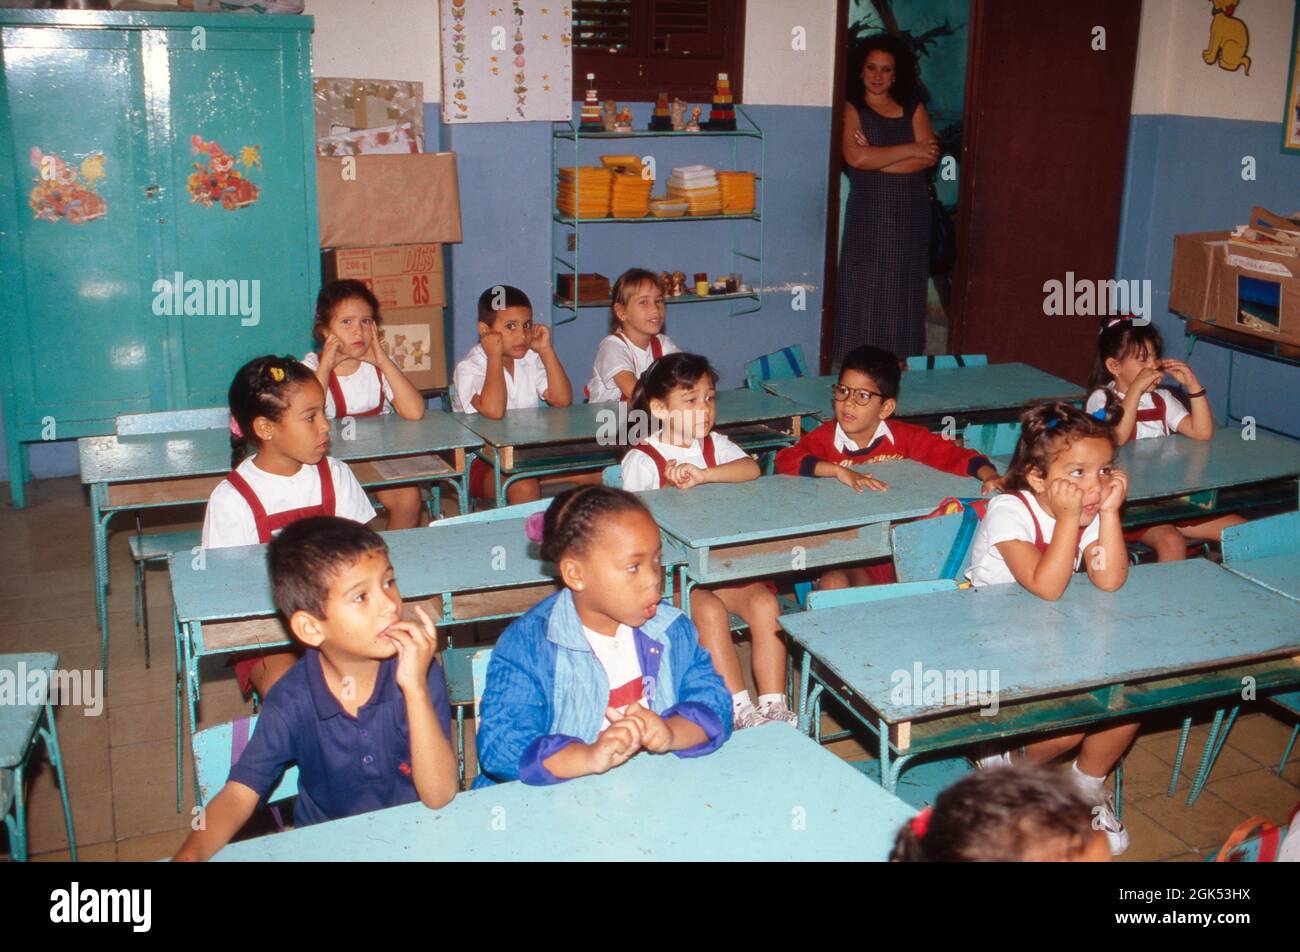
{"x":261,"y":388}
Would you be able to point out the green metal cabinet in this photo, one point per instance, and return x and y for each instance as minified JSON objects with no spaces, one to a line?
{"x":135,"y":147}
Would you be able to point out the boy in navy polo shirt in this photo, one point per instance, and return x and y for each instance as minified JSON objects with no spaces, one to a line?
{"x":363,"y":714}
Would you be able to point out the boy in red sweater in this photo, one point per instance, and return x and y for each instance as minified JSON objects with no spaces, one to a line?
{"x":864,"y":399}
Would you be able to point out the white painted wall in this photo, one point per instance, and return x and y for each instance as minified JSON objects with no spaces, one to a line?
{"x":378,"y":39}
{"x":1172,"y":78}
{"x":776,"y":74}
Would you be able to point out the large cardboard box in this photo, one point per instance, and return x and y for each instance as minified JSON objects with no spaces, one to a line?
{"x":408,"y":280}
{"x":377,"y":200}
{"x":1250,"y":290}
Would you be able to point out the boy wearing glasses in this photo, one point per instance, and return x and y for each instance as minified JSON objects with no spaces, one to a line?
{"x":864,"y":399}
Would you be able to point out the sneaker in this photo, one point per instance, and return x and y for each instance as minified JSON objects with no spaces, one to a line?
{"x":746,"y":716}
{"x":777,"y":711}
{"x":990,"y":755}
{"x":1104,"y":818}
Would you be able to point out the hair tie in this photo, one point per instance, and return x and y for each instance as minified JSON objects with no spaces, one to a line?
{"x":921,"y":823}
{"x":234,"y":428}
{"x":277,"y":374}
{"x":533,"y":526}
{"x":1125,"y":319}
{"x":1099,"y":414}
{"x":1051,"y":424}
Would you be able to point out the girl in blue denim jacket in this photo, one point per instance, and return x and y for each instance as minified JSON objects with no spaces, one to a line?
{"x":602,"y":670}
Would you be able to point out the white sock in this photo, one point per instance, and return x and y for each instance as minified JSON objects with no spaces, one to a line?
{"x":1093,"y":786}
{"x":740,"y":700}
{"x":771,"y":699}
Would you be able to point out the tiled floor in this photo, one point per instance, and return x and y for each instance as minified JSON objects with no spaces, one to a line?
{"x":121,"y":764}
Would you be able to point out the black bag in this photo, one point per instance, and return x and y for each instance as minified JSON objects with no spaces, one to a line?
{"x":943,"y":235}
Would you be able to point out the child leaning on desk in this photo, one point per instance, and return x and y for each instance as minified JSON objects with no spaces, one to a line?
{"x":1126,"y":377}
{"x":676,"y":397}
{"x":1063,"y":471}
{"x":512,"y":367}
{"x":602,"y":670}
{"x":332,"y":580}
{"x":863,"y":400}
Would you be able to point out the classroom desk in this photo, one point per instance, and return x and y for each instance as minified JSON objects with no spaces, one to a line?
{"x":767,"y":794}
{"x":546,"y":441}
{"x":461,"y":572}
{"x":778,"y":524}
{"x":157,"y":470}
{"x":1177,"y":633}
{"x":992,"y":394}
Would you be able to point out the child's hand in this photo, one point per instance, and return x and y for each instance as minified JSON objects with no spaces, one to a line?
{"x":684,"y":475}
{"x":1066,"y":499}
{"x":1145,"y":381}
{"x":1182,"y":373}
{"x":374,"y":352}
{"x":992,"y":484}
{"x":494,"y":345}
{"x":616,"y":744}
{"x":1112,"y":497}
{"x":416,"y":647}
{"x":859,"y":481}
{"x":332,"y":351}
{"x":656,"y":735}
{"x":541,"y":339}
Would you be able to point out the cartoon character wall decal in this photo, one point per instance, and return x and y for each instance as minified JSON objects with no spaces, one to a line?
{"x":218,"y":180}
{"x":66,"y":191}
{"x":1229,"y":38}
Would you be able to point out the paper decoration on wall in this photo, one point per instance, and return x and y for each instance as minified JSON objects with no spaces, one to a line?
{"x":1229,"y":38}
{"x":67,"y":191}
{"x":506,"y":61}
{"x":217,"y":179}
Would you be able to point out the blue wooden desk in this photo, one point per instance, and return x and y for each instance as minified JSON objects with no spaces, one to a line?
{"x":28,"y":718}
{"x":462,"y":570}
{"x":778,"y":524}
{"x":767,"y":794}
{"x":546,"y":441}
{"x":989,"y":394}
{"x":156,"y":470}
{"x":1177,"y":633}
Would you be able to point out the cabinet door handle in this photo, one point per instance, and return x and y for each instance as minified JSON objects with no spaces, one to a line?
{"x":152,"y":191}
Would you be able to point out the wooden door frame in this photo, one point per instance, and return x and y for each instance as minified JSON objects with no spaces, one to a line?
{"x":966,"y":176}
{"x":835,"y":165}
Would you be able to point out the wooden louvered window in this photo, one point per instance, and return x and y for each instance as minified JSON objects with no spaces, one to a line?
{"x":638,"y":47}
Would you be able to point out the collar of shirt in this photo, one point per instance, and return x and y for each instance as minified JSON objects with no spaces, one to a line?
{"x":1146,"y":402}
{"x":671,"y":451}
{"x":846,"y":445}
{"x":323,"y":699}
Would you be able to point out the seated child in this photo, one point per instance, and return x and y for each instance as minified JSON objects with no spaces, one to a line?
{"x":864,"y":398}
{"x":602,"y":669}
{"x":277,"y":408}
{"x":1007,"y":814}
{"x":389,"y":744}
{"x":676,"y":398}
{"x":1063,"y":470}
{"x":1127,"y":374}
{"x":360,"y":379}
{"x":512,"y":367}
{"x":635,"y":340}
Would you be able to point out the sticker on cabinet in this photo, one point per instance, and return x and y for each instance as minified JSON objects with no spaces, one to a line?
{"x":67,"y":191}
{"x":218,"y":180}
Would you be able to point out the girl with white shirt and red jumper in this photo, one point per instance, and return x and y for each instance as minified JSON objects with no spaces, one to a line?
{"x":676,"y":397}
{"x":1059,"y":509}
{"x":360,"y":379}
{"x":635,"y":340}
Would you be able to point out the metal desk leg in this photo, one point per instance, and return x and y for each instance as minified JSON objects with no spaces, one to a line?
{"x":1213,"y":747}
{"x":883,"y":736}
{"x":177,"y":636}
{"x":18,"y":829}
{"x":805,"y":677}
{"x":50,"y":734}
{"x":1178,"y":757}
{"x":496,"y":475}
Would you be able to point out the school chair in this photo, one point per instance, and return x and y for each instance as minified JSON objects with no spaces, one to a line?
{"x":612,"y":476}
{"x":942,"y":361}
{"x":478,"y":659}
{"x":934,"y":548}
{"x":783,"y":364}
{"x":991,"y":439}
{"x":458,"y":665}
{"x":21,"y":725}
{"x":217,"y":749}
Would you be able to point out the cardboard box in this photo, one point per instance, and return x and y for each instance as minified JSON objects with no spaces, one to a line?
{"x":401,"y":276}
{"x":1249,"y":290}
{"x":371,"y":200}
{"x":346,"y":105}
{"x":416,"y":340}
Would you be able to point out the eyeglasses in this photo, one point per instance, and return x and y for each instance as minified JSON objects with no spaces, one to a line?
{"x":861,"y":396}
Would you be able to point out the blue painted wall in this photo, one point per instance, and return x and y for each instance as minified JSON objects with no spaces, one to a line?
{"x":1184,"y":174}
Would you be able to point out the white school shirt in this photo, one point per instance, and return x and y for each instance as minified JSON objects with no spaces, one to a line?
{"x":615,"y":355}
{"x":640,"y":472}
{"x":524,"y":388}
{"x":361,"y":388}
{"x":229,"y":520}
{"x":617,"y":655}
{"x":1008,"y":519}
{"x":1175,"y":412}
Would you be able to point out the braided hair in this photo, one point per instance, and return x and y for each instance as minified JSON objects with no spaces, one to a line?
{"x":261,"y":388}
{"x":574,"y":515}
{"x":1049,"y":428}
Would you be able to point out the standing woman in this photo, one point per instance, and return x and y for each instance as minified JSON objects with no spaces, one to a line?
{"x":888,"y":144}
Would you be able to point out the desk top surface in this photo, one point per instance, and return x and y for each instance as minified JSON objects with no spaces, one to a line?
{"x":115,"y":459}
{"x":1281,"y":573}
{"x":1174,"y":465}
{"x":537,"y":426}
{"x":769,"y":793}
{"x":18,"y":716}
{"x":1168,"y":618}
{"x":950,"y":389}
